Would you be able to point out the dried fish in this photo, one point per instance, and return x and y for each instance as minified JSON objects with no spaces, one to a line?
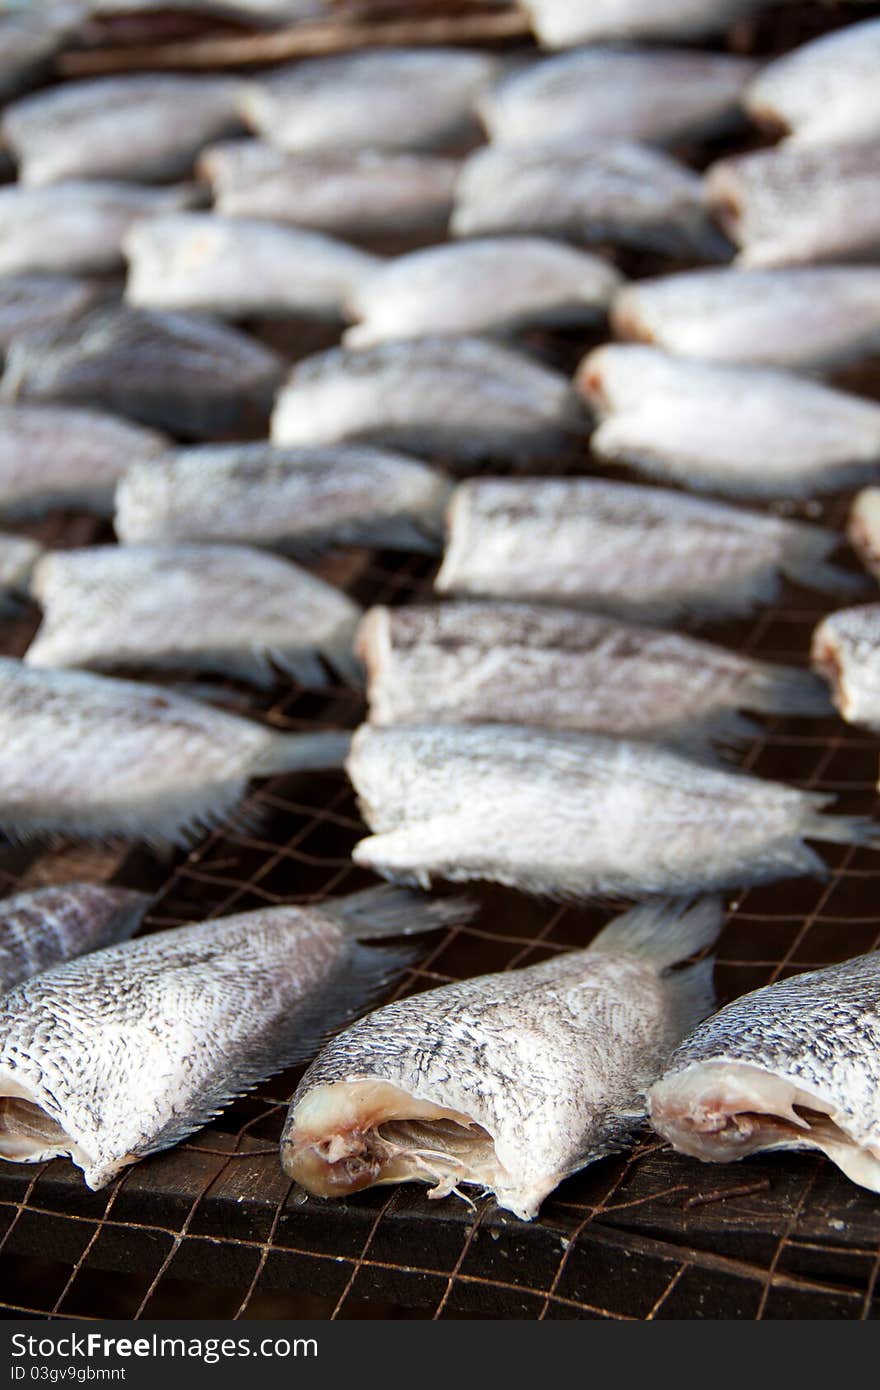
{"x":181,"y":372}
{"x":354,"y":193}
{"x":286,"y":499}
{"x":480,"y":286}
{"x":18,"y":555}
{"x":511,"y":663}
{"x":846,"y":651}
{"x":802,"y":317}
{"x":640,"y":552}
{"x":685,"y":421}
{"x":385,"y":99}
{"x":863,"y":528}
{"x":216,"y":1007}
{"x":574,"y":815}
{"x":561,"y":23}
{"x":825,"y":91}
{"x":28,"y":302}
{"x":790,"y":1066}
{"x":55,"y":456}
{"x":50,"y":925}
{"x":140,"y":126}
{"x":461,"y":397}
{"x":222,"y":608}
{"x":510,"y":1081}
{"x":97,"y":758}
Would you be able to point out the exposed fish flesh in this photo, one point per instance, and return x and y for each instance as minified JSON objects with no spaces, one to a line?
{"x":480,"y":286}
{"x":181,"y":372}
{"x":354,"y":193}
{"x":140,"y":126}
{"x":464,"y":398}
{"x":18,"y":555}
{"x":561,"y":23}
{"x":285,"y":499}
{"x":802,"y":317}
{"x":846,"y":651}
{"x":510,"y":1081}
{"x":794,"y":204}
{"x":55,"y":456}
{"x":475,"y":663}
{"x":28,"y":302}
{"x":98,"y":758}
{"x":214,"y":1008}
{"x":29,"y":39}
{"x":655,"y":95}
{"x":791,"y":1066}
{"x":49,"y":925}
{"x":826,"y":90}
{"x":75,"y":228}
{"x":222,"y":608}
{"x":384,"y":99}
{"x":575,"y":815}
{"x":640,"y":552}
{"x":604,"y":192}
{"x":750,"y":431}
{"x":863,"y":528}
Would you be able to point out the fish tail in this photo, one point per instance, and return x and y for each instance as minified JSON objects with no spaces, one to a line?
{"x":664,"y":932}
{"x":692,"y":993}
{"x":786,"y":690}
{"x":842,"y":830}
{"x":304,"y":752}
{"x":131,"y":908}
{"x":390,"y":911}
{"x":808,"y":563}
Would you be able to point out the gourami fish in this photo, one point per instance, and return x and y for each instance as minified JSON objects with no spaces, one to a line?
{"x":96,"y":758}
{"x":846,"y":651}
{"x":511,"y":1081}
{"x":560,"y":23}
{"x":825,"y":91}
{"x":284,"y":499}
{"x":128,"y":1050}
{"x":640,"y":552}
{"x":863,"y":528}
{"x":684,"y":421}
{"x":28,"y":302}
{"x":573,"y":815}
{"x":227,"y":609}
{"x":791,"y":1066}
{"x":41,"y":928}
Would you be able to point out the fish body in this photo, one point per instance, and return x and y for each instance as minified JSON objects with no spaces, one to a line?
{"x":29,"y":302}
{"x":825,"y":91}
{"x":802,"y":317}
{"x":485,"y":285}
{"x":561,"y":23}
{"x":846,"y":650}
{"x":591,"y":193}
{"x":356,"y":193}
{"x":576,"y":815}
{"x":384,"y":99}
{"x":75,"y":228}
{"x":55,"y":456}
{"x":863,"y":528}
{"x":236,"y":267}
{"x":180,"y":372}
{"x":284,"y":499}
{"x":638,"y":552}
{"x":128,"y":1050}
{"x":42,"y":928}
{"x":140,"y":126}
{"x":456,"y":396}
{"x":684,"y":421}
{"x":97,"y":758}
{"x":791,"y":1066}
{"x":480,"y":663}
{"x":510,"y":1081}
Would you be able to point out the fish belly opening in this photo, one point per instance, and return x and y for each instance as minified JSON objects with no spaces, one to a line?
{"x":28,"y":1134}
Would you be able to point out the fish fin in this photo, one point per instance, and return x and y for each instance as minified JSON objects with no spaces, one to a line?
{"x":129,"y":913}
{"x":692,"y":995}
{"x":664,"y":932}
{"x":807,"y":563}
{"x":390,"y":911}
{"x":787,"y":690}
{"x":302,"y":752}
{"x":842,"y":830}
{"x":722,"y":733}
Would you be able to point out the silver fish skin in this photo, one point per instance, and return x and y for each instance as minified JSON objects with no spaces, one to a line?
{"x":42,"y":928}
{"x":683,"y":421}
{"x":216,"y":1007}
{"x":76,"y":228}
{"x":227,"y":609}
{"x":55,"y":456}
{"x":846,"y":651}
{"x":595,"y":193}
{"x":508,"y":663}
{"x":97,"y":758}
{"x":563,"y":23}
{"x":29,"y":39}
{"x":143,"y":126}
{"x":511,"y":1081}
{"x":574,"y":815}
{"x":793,"y":205}
{"x":235,"y":267}
{"x":18,"y":555}
{"x":790,"y":1066}
{"x":653,"y":95}
{"x":295,"y":500}
{"x":487,"y":285}
{"x":641,"y":553}
{"x":802,"y":317}
{"x":356,"y":193}
{"x":863,"y":528}
{"x":460,"y":397}
{"x":385,"y":99}
{"x":185,"y":373}
{"x":825,"y":91}
{"x":29,"y":302}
